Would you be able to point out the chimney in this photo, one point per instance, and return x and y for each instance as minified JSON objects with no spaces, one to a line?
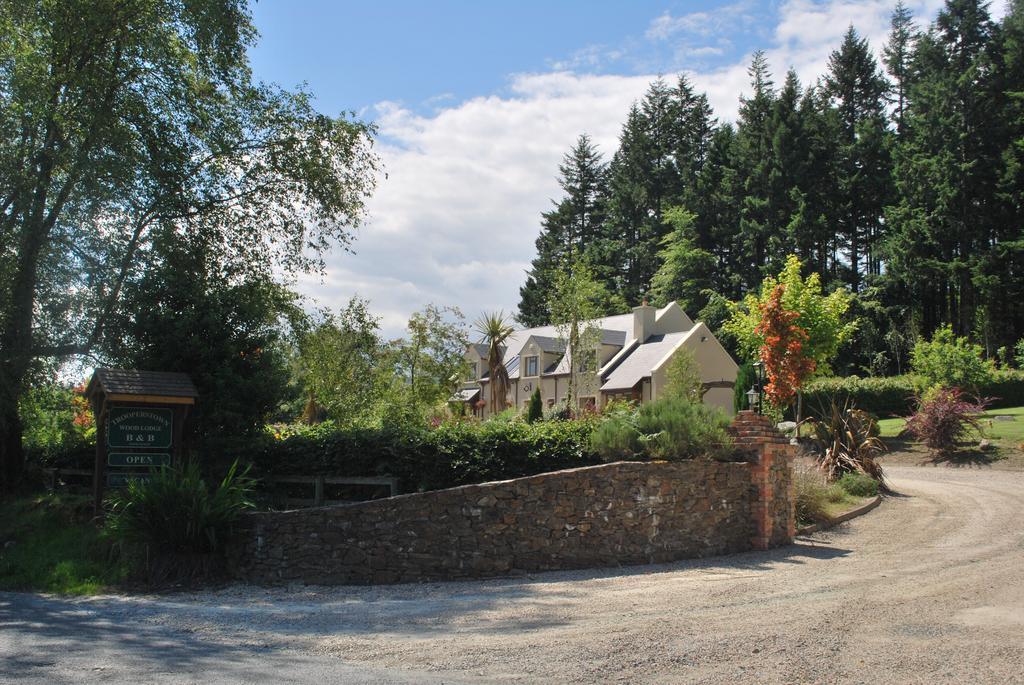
{"x":643,"y":321}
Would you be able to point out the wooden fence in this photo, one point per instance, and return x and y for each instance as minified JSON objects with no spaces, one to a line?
{"x":276,"y":487}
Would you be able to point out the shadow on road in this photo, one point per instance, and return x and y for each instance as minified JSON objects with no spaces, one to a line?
{"x":39,"y":632}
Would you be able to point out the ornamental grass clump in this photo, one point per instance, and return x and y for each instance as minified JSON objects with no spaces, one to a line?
{"x":812,"y":496}
{"x":944,"y":418}
{"x":174,"y":524}
{"x":847,"y":442}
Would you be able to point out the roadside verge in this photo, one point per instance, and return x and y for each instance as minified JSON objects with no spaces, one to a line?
{"x":845,"y":516}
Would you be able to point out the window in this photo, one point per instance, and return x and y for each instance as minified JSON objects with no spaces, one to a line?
{"x":472,"y":371}
{"x":531,"y":366}
{"x":588,"y":361}
{"x":588,"y":404}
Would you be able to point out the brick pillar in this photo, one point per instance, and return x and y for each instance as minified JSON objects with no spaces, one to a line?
{"x":773,"y":501}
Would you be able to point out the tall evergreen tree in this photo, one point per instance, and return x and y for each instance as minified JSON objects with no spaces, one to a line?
{"x":755,"y":164}
{"x":857,"y":90}
{"x":573,"y":227}
{"x":946,"y":221}
{"x":896,"y":55}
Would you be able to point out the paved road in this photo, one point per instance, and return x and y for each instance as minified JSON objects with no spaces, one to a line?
{"x":927,"y":588}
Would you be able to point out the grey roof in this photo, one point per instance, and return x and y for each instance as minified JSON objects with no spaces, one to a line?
{"x":465,"y":395}
{"x":609,"y":337}
{"x":641,"y":362}
{"x":134,"y":382}
{"x":622,"y":324}
{"x":615,"y":330}
{"x":549,"y":344}
{"x":481,"y":349}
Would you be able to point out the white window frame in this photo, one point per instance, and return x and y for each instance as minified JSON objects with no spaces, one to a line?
{"x":536,"y":366}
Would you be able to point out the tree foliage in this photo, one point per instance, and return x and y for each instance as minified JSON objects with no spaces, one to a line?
{"x":124,"y":120}
{"x":820,"y":316}
{"x":340,"y":364}
{"x":430,"y":360}
{"x":902,"y":187}
{"x":950,"y":361}
{"x":784,"y":349}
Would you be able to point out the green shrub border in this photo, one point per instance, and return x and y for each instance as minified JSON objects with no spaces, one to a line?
{"x":894,"y":395}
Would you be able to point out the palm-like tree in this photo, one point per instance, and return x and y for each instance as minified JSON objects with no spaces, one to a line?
{"x":495,"y":329}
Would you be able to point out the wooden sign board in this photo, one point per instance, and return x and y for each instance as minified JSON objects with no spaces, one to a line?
{"x":120,"y":479}
{"x":136,"y":459}
{"x":149,"y":427}
{"x":140,"y":423}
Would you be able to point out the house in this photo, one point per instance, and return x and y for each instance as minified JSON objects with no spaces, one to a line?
{"x":633,"y":356}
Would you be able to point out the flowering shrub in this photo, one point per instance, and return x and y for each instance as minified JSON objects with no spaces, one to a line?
{"x":944,"y":418}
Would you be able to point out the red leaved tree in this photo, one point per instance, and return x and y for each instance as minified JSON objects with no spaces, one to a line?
{"x":786,"y":363}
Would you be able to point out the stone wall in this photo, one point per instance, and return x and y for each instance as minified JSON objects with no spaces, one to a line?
{"x":609,"y":515}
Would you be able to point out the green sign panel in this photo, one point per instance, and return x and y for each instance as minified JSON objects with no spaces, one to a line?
{"x":119,"y":479}
{"x":127,"y":459}
{"x":140,"y":427}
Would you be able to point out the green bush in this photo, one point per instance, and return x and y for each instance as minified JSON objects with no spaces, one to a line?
{"x":535,"y":412}
{"x":454,"y":453}
{"x":895,"y":395}
{"x":1019,"y":353}
{"x":672,"y":428}
{"x":881,"y":396}
{"x":174,"y":523}
{"x":858,"y":485}
{"x":950,"y":361}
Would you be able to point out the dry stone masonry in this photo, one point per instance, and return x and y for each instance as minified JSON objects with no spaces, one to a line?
{"x":609,"y":515}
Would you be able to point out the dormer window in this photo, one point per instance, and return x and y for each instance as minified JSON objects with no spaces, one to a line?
{"x":473,"y":375}
{"x":531,"y":366}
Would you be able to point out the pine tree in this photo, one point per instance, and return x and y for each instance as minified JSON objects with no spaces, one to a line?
{"x":947,"y":222}
{"x":685,"y":274}
{"x":574,"y":224}
{"x":896,"y":55}
{"x":857,"y":90}
{"x":754,"y":164}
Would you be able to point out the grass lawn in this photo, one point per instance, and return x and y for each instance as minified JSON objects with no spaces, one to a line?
{"x":1009,"y":432}
{"x":836,"y":507}
{"x":48,"y":543}
{"x":1006,"y":438}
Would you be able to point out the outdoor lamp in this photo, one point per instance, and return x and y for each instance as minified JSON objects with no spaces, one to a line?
{"x":752,"y":398}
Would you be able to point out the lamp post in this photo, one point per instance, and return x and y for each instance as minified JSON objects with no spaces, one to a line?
{"x":759,"y":384}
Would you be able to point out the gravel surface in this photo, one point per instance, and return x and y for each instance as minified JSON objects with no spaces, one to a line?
{"x":927,"y":588}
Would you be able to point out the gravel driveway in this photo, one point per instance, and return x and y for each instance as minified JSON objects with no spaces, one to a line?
{"x":927,"y":588}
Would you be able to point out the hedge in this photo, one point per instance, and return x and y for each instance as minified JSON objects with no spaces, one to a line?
{"x":894,"y":395}
{"x":450,"y":455}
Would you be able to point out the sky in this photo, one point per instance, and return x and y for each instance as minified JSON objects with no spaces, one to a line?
{"x":476,"y":103}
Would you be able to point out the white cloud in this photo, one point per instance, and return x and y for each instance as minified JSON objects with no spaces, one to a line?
{"x":456,"y":219}
{"x":703,"y":23}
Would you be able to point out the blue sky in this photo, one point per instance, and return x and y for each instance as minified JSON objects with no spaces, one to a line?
{"x":427,"y":54}
{"x":476,"y":102}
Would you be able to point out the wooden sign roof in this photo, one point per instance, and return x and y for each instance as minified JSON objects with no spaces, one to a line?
{"x":143,"y":386}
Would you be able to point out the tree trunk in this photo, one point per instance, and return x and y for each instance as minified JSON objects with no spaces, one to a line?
{"x":12,"y":456}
